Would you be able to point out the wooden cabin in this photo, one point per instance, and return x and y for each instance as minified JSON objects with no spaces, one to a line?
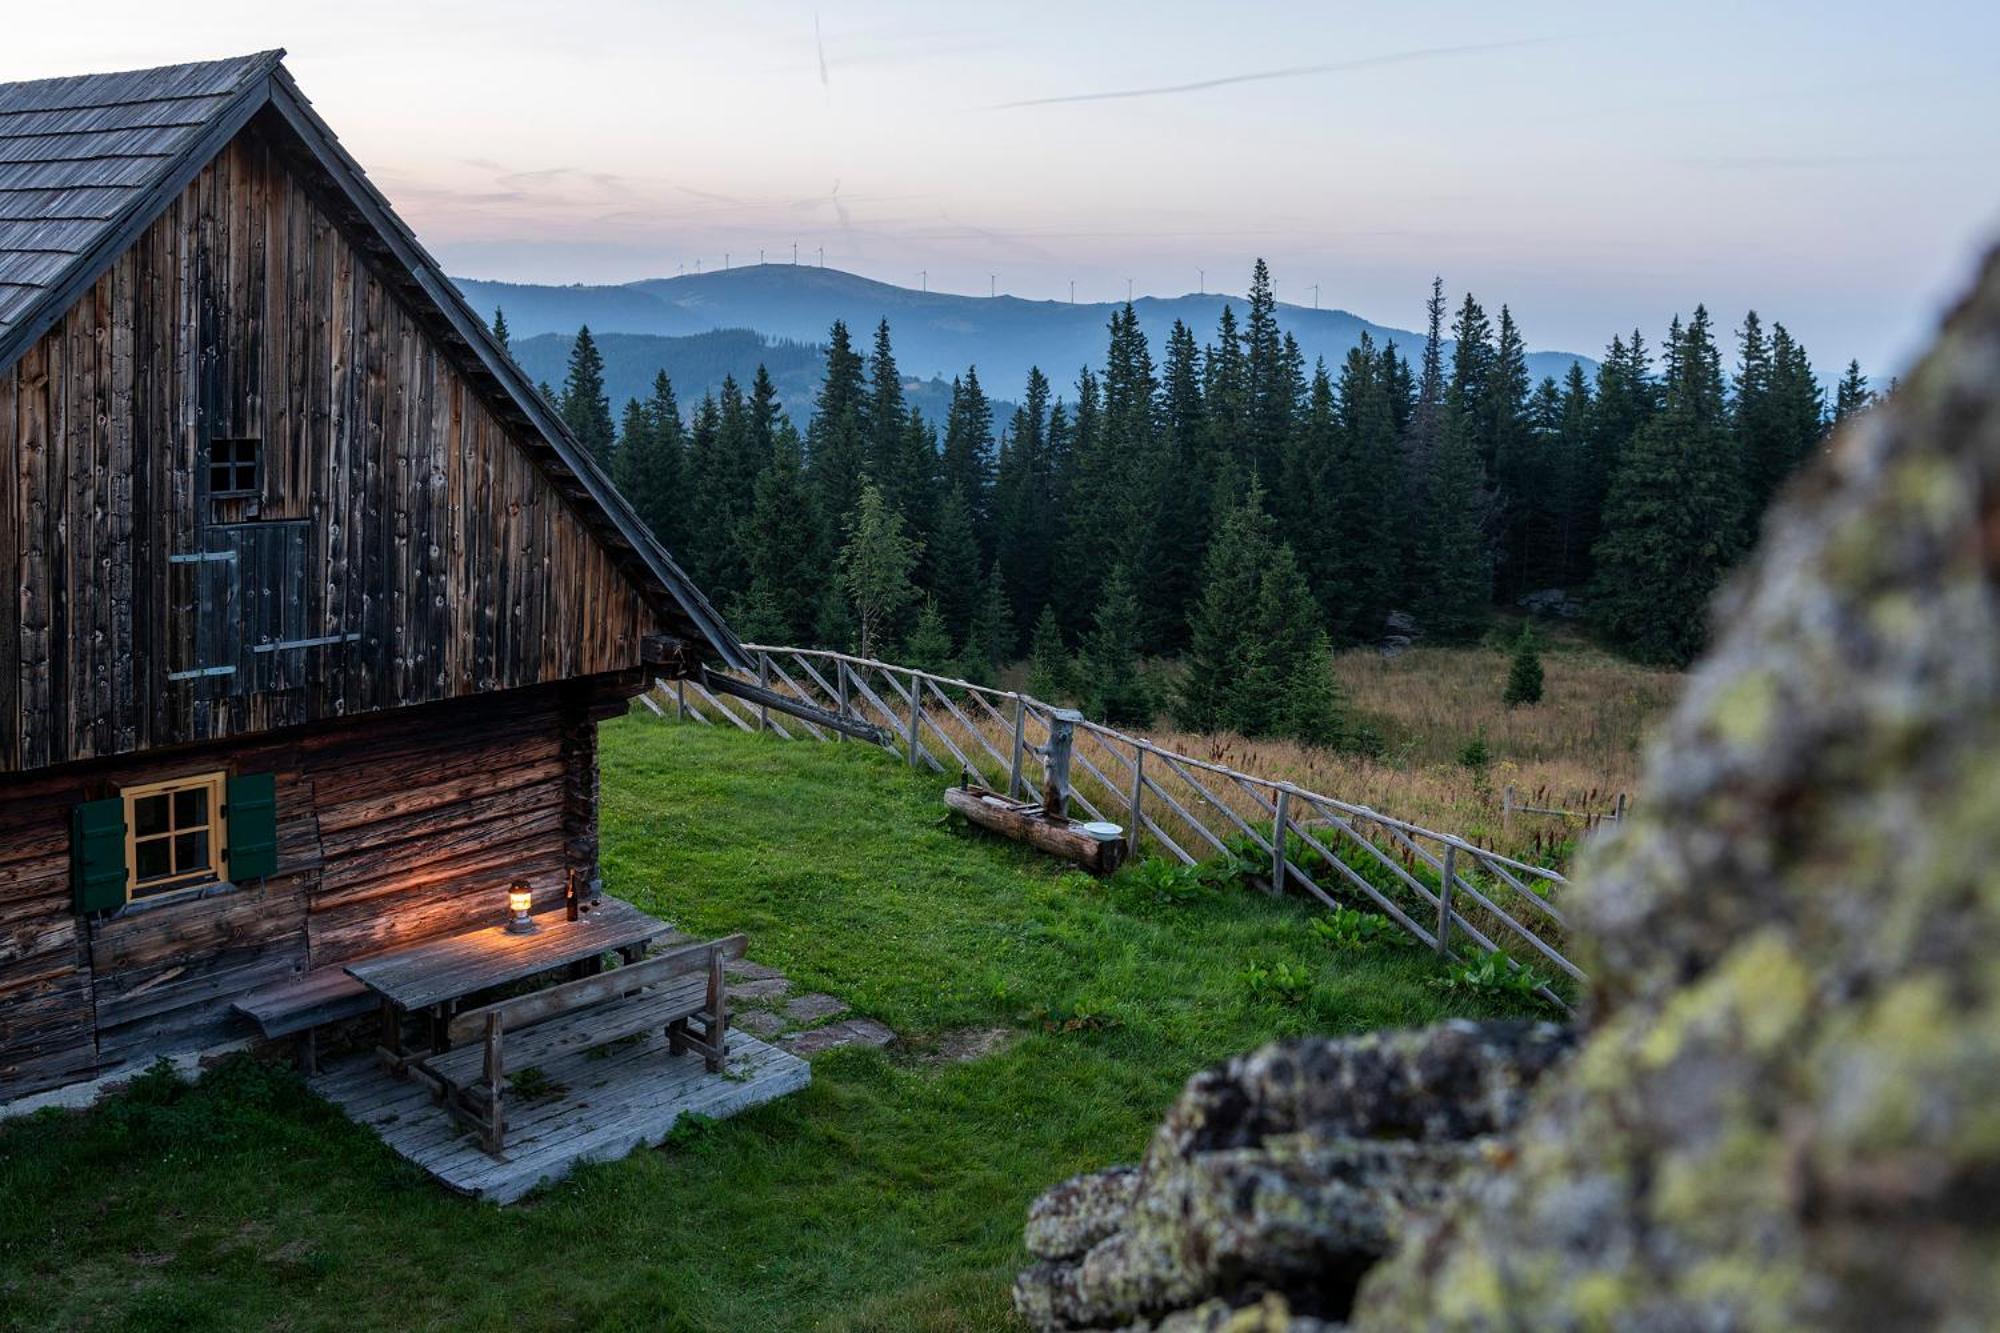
{"x":315,"y":603}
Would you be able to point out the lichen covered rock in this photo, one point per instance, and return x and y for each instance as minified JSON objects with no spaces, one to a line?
{"x":1788,"y":1112}
{"x":1278,"y":1178}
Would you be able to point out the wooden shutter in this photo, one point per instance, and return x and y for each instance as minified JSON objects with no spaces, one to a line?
{"x":252,"y":809}
{"x":97,"y":854}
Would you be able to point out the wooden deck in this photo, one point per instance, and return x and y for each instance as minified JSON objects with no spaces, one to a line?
{"x":613,"y":1100}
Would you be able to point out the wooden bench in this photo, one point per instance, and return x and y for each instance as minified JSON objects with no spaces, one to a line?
{"x":303,"y":1005}
{"x":671,"y":992}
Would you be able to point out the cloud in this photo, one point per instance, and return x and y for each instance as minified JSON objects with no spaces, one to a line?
{"x":1290,"y":72}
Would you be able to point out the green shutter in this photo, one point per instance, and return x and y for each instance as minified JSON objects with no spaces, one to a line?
{"x":253,"y":826}
{"x":97,"y":855}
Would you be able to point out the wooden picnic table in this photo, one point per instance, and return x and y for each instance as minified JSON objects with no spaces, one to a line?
{"x":433,"y":976}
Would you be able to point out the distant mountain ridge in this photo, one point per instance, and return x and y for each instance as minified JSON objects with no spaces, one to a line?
{"x":935,"y":334}
{"x":696,"y":363}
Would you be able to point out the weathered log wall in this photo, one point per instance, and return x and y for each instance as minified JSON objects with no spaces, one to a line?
{"x":392,"y":828}
{"x":429,"y":533}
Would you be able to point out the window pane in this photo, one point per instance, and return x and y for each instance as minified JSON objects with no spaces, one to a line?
{"x":246,"y":476}
{"x":191,"y":808}
{"x":218,"y":476}
{"x":153,"y":862}
{"x":149,"y":815}
{"x":190,"y":852}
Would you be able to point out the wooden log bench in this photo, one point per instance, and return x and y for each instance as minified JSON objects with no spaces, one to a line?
{"x":303,"y":1005}
{"x":675,"y":992}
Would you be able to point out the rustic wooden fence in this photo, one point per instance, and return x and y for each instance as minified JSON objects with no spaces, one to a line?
{"x":1443,"y":890}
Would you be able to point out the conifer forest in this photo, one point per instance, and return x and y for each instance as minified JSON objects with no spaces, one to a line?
{"x":1191,"y":529}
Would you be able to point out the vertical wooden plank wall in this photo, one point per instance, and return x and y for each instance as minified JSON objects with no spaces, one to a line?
{"x":245,"y":311}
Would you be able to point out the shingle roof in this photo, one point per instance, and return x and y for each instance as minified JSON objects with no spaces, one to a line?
{"x":79,"y":157}
{"x":88,"y":162}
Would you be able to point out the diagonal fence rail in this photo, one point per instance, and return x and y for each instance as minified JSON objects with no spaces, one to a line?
{"x":1441,"y":889}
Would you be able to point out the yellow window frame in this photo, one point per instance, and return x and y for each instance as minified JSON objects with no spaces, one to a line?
{"x":215,"y":826}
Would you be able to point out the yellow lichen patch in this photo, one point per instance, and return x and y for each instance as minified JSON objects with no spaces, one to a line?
{"x":1468,"y":1291}
{"x":1744,"y":708}
{"x":1909,"y":1070}
{"x":1743,"y":1175}
{"x":1599,"y":1298}
{"x":1762,"y":1294}
{"x":1761,"y":991}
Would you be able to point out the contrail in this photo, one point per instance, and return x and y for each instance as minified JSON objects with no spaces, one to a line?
{"x":1290,"y":72}
{"x":819,"y":43}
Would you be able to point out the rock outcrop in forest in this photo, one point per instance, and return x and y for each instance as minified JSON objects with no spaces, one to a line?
{"x":1786,"y":1112}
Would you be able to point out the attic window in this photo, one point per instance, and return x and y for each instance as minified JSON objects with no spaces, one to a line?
{"x":235,"y":469}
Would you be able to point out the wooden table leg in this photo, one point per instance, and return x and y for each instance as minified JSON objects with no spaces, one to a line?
{"x":392,"y":1038}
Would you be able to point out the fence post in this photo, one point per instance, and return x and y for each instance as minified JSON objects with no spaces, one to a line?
{"x":1507,"y":808}
{"x":1444,"y":899}
{"x":1055,"y":787}
{"x":1618,"y":809}
{"x":916,"y":713}
{"x":763,"y":680}
{"x":681,"y":697}
{"x":840,"y":678}
{"x":1020,"y":744}
{"x":1138,"y":794}
{"x":1279,"y":825}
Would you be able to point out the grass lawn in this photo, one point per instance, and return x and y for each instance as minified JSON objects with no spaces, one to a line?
{"x":888,"y":1196}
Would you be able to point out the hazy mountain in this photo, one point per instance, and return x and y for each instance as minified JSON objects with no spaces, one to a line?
{"x":936,"y":334}
{"x":697,"y":363}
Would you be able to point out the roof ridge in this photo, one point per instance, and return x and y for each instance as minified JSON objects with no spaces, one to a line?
{"x":261,"y":60}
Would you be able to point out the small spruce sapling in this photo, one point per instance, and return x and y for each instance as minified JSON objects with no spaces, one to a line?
{"x":1524,"y":676}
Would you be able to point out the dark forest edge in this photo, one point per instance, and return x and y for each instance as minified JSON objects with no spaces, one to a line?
{"x":1226,"y":508}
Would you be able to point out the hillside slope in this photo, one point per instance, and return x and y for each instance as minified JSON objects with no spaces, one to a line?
{"x":936,"y":333}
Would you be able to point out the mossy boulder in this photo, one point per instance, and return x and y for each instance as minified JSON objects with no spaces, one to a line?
{"x":1787,"y":1114}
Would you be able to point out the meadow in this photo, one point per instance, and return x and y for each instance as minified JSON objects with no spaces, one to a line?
{"x":888,"y":1196}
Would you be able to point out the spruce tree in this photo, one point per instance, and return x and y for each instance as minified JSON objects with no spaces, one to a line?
{"x":1454,"y":580}
{"x":836,"y":440}
{"x":1673,"y":521}
{"x":1049,"y":674}
{"x":786,"y":548}
{"x":952,"y":564}
{"x":1024,"y":505}
{"x":929,"y":647}
{"x":989,"y":641}
{"x":966,"y":461}
{"x":1315,"y":713}
{"x":1232,"y":577}
{"x":1518,"y":468}
{"x":1270,"y":377}
{"x":1278,"y":648}
{"x":1114,"y":691}
{"x":1364,"y":515}
{"x":875,"y":568}
{"x":500,"y":328}
{"x":1524,"y":673}
{"x":1420,"y":441}
{"x":1853,"y":395}
{"x":585,"y":409}
{"x":1182,"y":514}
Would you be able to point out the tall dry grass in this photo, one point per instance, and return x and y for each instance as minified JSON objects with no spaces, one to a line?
{"x":1578,"y":749}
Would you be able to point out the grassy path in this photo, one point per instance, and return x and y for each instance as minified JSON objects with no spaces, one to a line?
{"x":889,"y":1196}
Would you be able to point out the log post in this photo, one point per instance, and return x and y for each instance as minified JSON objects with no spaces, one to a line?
{"x":1507,"y":808}
{"x":1055,"y":786}
{"x":1279,"y":824}
{"x":1444,"y":900}
{"x":840,"y":680}
{"x":1014,"y":787}
{"x":1138,"y":794}
{"x":916,"y":713}
{"x":763,"y":680}
{"x":681,"y":698}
